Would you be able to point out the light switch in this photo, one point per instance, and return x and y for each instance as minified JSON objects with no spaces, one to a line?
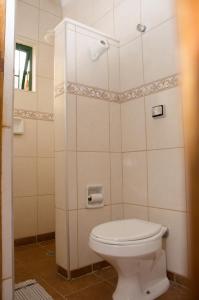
{"x":158,"y":111}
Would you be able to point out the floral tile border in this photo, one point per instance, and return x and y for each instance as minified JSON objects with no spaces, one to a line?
{"x":35,"y":115}
{"x":150,"y":88}
{"x":88,"y":91}
{"x":135,"y":93}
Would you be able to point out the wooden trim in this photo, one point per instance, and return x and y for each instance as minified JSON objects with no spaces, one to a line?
{"x":2,"y":49}
{"x":188,"y":23}
{"x":34,"y":239}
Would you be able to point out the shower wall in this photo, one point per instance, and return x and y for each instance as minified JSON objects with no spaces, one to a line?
{"x":87,"y":140}
{"x":33,"y":162}
{"x":152,"y":149}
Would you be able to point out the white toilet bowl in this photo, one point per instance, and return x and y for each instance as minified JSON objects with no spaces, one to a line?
{"x":134,"y":248}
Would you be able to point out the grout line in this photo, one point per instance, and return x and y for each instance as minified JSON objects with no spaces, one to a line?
{"x":160,"y":208}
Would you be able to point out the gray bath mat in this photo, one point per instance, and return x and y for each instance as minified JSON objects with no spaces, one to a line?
{"x":30,"y":290}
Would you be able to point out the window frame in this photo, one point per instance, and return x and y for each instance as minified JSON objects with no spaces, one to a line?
{"x":29,"y":58}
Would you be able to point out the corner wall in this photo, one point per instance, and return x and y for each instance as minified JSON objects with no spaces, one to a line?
{"x":33,"y":163}
{"x":153,"y":150}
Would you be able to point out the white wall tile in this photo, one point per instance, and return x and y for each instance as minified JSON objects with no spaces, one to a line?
{"x":27,"y":21}
{"x":127,"y":16}
{"x":131,"y":68}
{"x":106,"y":24}
{"x":176,"y":242}
{"x":71,"y":122}
{"x":166,"y":179}
{"x":61,"y":239}
{"x":117,"y":212}
{"x":7,"y":289}
{"x":45,"y":176}
{"x":135,"y":178}
{"x":92,"y":114}
{"x":45,"y":95}
{"x":73,"y":235}
{"x":60,"y":125}
{"x":87,"y":75}
{"x":93,"y":169}
{"x":135,"y":211}
{"x":59,"y":56}
{"x":165,"y":132}
{"x":115,"y":128}
{"x":32,"y":2}
{"x":87,"y":219}
{"x":60,"y":180}
{"x":26,"y":144}
{"x":71,"y":55}
{"x":160,"y":51}
{"x":47,"y":22}
{"x":45,"y":139}
{"x":45,"y":61}
{"x":25,"y":220}
{"x":101,"y":7}
{"x":53,"y":7}
{"x":6,"y":204}
{"x":155,"y":12}
{"x":46,"y":214}
{"x":116,"y":178}
{"x":24,"y":176}
{"x":114,"y":68}
{"x":72,"y":180}
{"x":25,"y":100}
{"x":133,"y":126}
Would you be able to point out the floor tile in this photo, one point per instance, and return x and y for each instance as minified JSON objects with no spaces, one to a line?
{"x":37,"y":261}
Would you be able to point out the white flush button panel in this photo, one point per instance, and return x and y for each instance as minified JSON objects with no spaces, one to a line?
{"x":18,"y":126}
{"x":95,"y":196}
{"x":158,"y":111}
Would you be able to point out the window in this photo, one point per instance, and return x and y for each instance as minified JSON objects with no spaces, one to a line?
{"x":23,"y":67}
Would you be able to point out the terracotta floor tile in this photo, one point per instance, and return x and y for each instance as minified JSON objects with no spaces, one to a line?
{"x":101,"y":291}
{"x":38,"y":262}
{"x":66,"y":287}
{"x":106,"y":273}
{"x":175,"y":293}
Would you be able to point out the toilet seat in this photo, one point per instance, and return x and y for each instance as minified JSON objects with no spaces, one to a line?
{"x":126,"y":232}
{"x":127,"y":238}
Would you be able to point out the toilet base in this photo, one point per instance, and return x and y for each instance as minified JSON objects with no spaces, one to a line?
{"x":141,"y":278}
{"x":130,"y":290}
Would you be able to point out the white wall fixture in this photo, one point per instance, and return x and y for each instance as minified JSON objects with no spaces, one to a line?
{"x":95,"y":197}
{"x":18,"y":126}
{"x":97,"y":48}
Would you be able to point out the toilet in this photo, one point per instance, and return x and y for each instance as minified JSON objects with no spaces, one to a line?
{"x":134,"y":248}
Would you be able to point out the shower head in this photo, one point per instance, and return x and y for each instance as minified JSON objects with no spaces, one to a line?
{"x":141,"y":28}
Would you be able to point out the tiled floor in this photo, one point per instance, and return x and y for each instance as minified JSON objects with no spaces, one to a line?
{"x":38,"y":262}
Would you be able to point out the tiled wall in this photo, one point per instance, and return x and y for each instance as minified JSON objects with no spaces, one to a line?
{"x":33,"y":164}
{"x":152,"y":150}
{"x":6,"y":166}
{"x":87,"y":142}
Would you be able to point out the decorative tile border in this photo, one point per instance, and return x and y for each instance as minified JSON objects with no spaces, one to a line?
{"x":35,"y":115}
{"x":135,"y":93}
{"x":150,"y":88}
{"x":88,"y":91}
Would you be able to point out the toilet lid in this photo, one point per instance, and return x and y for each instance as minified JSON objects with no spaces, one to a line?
{"x":126,"y":230}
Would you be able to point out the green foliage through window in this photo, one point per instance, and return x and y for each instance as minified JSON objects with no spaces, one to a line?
{"x":23,"y":67}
